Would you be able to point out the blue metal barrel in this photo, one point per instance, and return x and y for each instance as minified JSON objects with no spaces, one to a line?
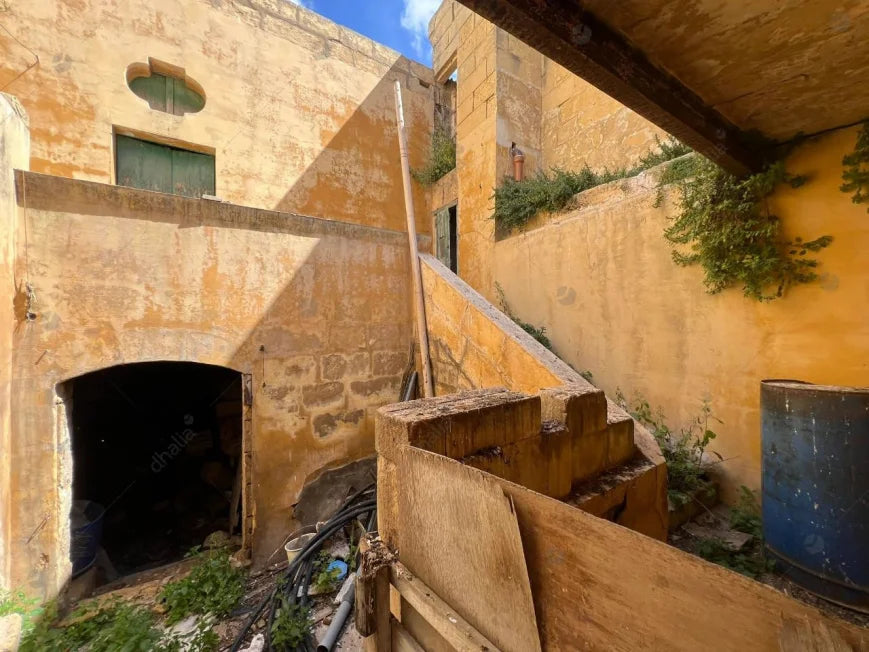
{"x":815,"y":479}
{"x":87,"y":534}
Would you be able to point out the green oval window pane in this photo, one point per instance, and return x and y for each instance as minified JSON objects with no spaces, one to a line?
{"x":151,"y":89}
{"x":168,"y":94}
{"x":186,"y":99}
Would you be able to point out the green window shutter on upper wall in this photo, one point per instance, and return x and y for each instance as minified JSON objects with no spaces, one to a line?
{"x":442,"y":234}
{"x":151,"y":166}
{"x":168,"y":94}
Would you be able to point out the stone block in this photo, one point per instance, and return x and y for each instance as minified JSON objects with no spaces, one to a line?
{"x":459,"y":424}
{"x":330,"y":423}
{"x":525,"y":465}
{"x":490,"y":460}
{"x":388,"y":363}
{"x":582,"y":407}
{"x":333,"y":366}
{"x":298,"y":370}
{"x":556,"y":447}
{"x":589,"y":453}
{"x":620,"y":448}
{"x":383,"y":389}
{"x":329,"y":394}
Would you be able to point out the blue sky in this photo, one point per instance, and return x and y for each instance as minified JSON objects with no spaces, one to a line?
{"x":399,"y":24}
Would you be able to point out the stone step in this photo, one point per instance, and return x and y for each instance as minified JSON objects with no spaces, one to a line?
{"x":458,"y":425}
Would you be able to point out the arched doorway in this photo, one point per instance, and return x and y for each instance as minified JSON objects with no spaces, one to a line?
{"x":159,"y":447}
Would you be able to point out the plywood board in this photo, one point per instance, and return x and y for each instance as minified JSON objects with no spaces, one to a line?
{"x":599,"y":586}
{"x":459,"y":534}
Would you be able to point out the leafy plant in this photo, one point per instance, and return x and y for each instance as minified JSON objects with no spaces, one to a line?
{"x":683,"y":451}
{"x":667,"y":150}
{"x":111,"y":627}
{"x":516,"y":202}
{"x":538,"y":333}
{"x":291,"y":626}
{"x":749,"y":561}
{"x":324,"y":579}
{"x":441,"y":158}
{"x":17,"y":602}
{"x":745,"y":516}
{"x":212,"y":587}
{"x":856,"y":168}
{"x":727,"y":228}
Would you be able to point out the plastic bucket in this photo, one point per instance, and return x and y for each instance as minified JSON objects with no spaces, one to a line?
{"x":86,"y":522}
{"x":298,"y":540}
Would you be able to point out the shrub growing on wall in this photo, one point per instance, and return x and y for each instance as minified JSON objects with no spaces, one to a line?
{"x":516,"y":202}
{"x":725,"y":226}
{"x":441,"y":158}
{"x":855,"y":174}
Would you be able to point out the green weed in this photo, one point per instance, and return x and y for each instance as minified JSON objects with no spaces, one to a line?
{"x":212,"y":587}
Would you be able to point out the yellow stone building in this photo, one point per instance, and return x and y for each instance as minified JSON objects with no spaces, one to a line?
{"x":203,"y":221}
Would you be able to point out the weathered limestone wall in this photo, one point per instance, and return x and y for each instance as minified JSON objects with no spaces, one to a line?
{"x":474,"y":345}
{"x":583,"y":126}
{"x":14,"y":153}
{"x":476,"y":128}
{"x":509,"y":94}
{"x":616,"y":471}
{"x":602,"y":282}
{"x":126,"y":276}
{"x":299,"y":112}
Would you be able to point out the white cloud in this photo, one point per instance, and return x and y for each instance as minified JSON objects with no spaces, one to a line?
{"x":415,"y":19}
{"x":302,"y":3}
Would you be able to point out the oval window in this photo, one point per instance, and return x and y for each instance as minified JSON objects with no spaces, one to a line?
{"x":165,"y":87}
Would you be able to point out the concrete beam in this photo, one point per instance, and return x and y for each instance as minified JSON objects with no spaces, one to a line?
{"x":575,"y":38}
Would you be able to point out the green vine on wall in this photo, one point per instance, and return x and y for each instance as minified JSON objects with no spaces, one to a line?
{"x":856,"y":168}
{"x":725,"y":226}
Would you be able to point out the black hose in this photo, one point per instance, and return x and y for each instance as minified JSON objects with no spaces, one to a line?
{"x":296,"y":578}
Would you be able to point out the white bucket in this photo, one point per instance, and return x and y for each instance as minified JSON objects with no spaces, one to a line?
{"x":298,"y":540}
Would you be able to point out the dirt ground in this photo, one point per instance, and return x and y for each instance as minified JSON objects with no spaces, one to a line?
{"x":684,"y":540}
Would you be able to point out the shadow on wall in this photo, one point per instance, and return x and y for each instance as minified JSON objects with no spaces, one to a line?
{"x":326,"y":345}
{"x":350,"y":164}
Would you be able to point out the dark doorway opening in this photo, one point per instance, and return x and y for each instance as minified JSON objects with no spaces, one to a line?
{"x":447,"y":237}
{"x":159,"y":446}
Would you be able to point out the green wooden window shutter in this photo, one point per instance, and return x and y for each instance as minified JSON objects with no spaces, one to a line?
{"x":151,"y":166}
{"x":442,"y":233}
{"x":168,"y":94}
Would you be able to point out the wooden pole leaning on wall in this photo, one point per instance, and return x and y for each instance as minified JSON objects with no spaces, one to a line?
{"x":416,"y":271}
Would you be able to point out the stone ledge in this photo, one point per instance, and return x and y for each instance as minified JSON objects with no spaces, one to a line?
{"x":63,"y":195}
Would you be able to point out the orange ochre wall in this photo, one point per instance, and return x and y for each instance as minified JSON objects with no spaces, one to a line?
{"x":124,"y":276}
{"x":602,"y":282}
{"x":299,"y":112}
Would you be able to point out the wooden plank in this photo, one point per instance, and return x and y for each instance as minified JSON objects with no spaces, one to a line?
{"x":373,"y":596}
{"x":442,"y":231}
{"x":566,"y":32}
{"x":454,"y":629}
{"x":422,"y":631}
{"x":459,"y":535}
{"x":597,"y":585}
{"x":366,"y":606}
{"x":402,"y":641}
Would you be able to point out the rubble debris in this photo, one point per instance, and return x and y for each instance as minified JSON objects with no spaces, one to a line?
{"x":256,"y":645}
{"x":732,"y":539}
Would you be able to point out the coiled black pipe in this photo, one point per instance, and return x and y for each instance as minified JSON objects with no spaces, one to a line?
{"x":293,"y":584}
